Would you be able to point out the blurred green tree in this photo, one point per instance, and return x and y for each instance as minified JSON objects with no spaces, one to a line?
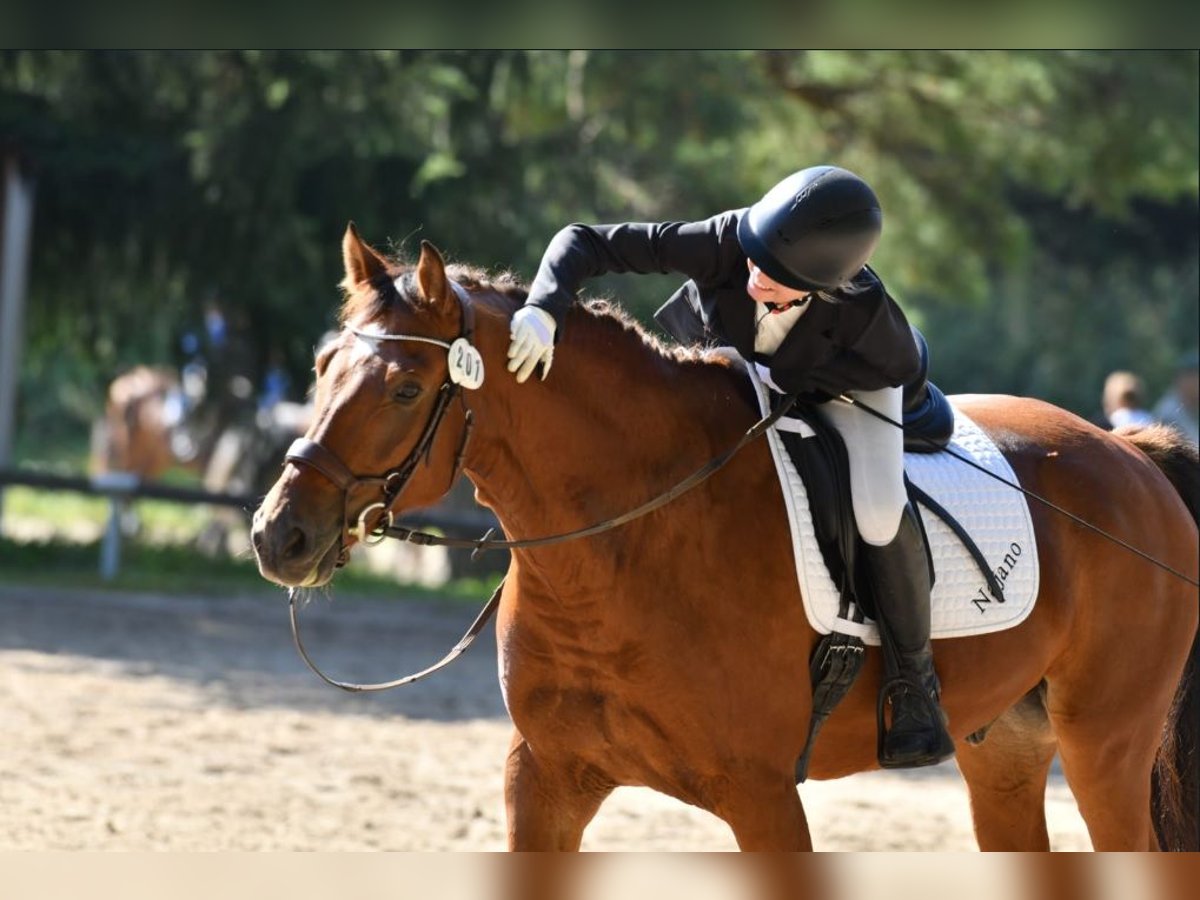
{"x":1041,"y":206}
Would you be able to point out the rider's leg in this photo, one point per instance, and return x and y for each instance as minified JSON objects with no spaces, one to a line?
{"x":894,"y":553}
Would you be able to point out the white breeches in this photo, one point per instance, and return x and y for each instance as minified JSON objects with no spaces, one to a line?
{"x":876,"y":453}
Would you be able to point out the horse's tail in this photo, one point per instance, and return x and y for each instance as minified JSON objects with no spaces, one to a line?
{"x":1176,"y":779}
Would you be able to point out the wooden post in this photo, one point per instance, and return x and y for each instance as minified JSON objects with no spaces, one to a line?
{"x":14,"y":266}
{"x":119,"y":488}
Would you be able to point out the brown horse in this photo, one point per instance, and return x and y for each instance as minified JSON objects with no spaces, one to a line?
{"x":133,"y":436}
{"x":673,"y":652}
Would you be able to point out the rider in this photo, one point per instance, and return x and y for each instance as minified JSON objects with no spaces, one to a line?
{"x":785,"y":282}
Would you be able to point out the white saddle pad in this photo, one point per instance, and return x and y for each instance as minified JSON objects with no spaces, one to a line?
{"x":995,"y":515}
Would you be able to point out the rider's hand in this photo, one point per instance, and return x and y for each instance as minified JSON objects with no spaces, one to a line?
{"x":532,"y":333}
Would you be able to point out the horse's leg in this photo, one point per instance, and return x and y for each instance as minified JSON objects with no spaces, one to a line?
{"x":1109,"y":694}
{"x":549,"y":804}
{"x":767,"y":815}
{"x":1108,"y":723}
{"x":1107,"y":763}
{"x":1006,"y":778}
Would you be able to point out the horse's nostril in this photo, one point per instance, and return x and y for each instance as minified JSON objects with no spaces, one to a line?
{"x":293,"y":544}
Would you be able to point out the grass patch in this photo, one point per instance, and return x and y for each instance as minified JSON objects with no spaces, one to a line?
{"x":168,"y":568}
{"x":61,"y":547}
{"x":185,"y":520}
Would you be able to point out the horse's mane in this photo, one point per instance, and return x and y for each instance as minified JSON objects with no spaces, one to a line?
{"x":383,"y":295}
{"x":608,"y":314}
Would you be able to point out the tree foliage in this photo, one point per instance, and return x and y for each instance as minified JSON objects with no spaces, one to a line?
{"x":1041,"y":207}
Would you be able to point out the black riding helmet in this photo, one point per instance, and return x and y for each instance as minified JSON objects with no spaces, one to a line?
{"x":814,"y":230}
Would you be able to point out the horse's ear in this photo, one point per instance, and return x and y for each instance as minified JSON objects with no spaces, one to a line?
{"x":431,"y":275}
{"x":361,"y":261}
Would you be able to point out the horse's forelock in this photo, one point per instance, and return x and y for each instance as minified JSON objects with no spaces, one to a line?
{"x":370,"y":301}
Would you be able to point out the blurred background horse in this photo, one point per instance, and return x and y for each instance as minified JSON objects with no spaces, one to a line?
{"x":155,"y":420}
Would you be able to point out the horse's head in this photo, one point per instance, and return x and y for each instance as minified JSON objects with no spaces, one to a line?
{"x":385,"y":431}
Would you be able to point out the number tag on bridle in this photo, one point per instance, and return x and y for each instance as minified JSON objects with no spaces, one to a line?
{"x":466,"y":365}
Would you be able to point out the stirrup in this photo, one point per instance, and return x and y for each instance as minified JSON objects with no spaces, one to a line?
{"x":942,"y":744}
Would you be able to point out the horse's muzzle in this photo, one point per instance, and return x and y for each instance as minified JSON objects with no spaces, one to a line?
{"x":290,"y":551}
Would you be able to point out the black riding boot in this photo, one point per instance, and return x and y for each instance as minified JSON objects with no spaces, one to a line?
{"x":899,"y":573}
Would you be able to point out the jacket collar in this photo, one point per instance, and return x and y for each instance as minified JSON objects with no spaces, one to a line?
{"x":737,"y":316}
{"x":736,"y":310}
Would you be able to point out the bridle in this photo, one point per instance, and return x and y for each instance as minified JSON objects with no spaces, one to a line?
{"x":386,"y":488}
{"x":390,"y":484}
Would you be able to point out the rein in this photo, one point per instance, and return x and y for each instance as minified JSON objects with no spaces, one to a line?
{"x":457,"y":650}
{"x":465,"y":369}
{"x":486,"y":543}
{"x":1031,"y":494}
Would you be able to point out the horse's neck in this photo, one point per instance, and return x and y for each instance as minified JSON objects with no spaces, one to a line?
{"x":614,"y":424}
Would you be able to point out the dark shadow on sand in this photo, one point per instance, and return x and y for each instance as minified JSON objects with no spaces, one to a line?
{"x":238,"y":650}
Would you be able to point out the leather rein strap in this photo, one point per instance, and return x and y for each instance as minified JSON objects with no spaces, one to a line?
{"x":312,"y":454}
{"x":706,"y":471}
{"x":457,"y":650}
{"x":487,"y":543}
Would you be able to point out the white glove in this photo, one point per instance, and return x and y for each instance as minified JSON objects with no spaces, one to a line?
{"x":532,"y":333}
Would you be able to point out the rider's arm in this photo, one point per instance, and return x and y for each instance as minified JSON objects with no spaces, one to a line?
{"x":705,"y":251}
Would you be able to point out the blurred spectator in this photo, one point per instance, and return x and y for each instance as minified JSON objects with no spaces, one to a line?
{"x":229,"y":398}
{"x":185,"y":403}
{"x":1124,"y":400}
{"x":1179,"y":404}
{"x":276,"y":385}
{"x":201,"y":347}
{"x":215,"y":327}
{"x":216,"y":389}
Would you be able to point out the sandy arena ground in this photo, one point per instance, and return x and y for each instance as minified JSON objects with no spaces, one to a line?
{"x":189,"y":723}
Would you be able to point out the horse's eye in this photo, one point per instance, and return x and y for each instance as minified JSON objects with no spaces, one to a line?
{"x":407,"y":392}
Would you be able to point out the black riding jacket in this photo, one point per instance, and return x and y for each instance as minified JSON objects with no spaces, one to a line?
{"x":853,"y":339}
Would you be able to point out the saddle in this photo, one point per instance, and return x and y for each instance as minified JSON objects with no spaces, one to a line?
{"x":821,"y":460}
